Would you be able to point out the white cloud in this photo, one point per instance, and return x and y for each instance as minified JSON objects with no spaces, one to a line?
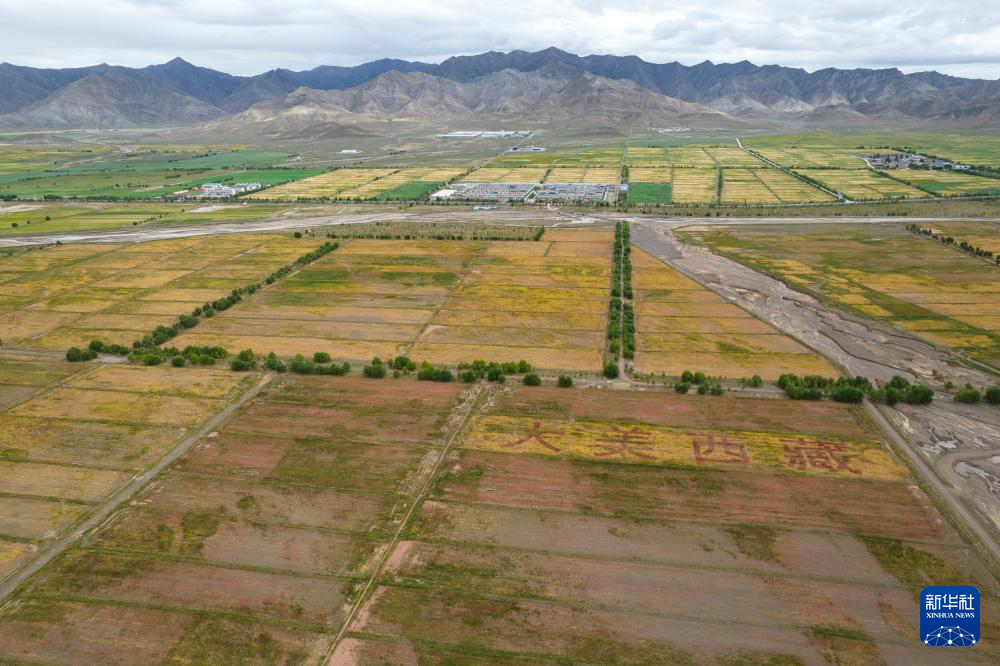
{"x":251,"y":36}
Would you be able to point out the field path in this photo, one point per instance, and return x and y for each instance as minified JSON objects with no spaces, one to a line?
{"x":48,"y":552}
{"x":460,"y":417}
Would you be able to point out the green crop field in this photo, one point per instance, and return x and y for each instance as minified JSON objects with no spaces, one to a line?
{"x":649,"y":193}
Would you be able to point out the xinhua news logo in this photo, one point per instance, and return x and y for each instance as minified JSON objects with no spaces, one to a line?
{"x":949,"y":615}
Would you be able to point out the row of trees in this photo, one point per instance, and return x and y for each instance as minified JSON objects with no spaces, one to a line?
{"x":974,"y":250}
{"x":854,"y":389}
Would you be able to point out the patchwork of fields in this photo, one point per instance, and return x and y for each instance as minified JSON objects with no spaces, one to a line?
{"x":71,"y":435}
{"x":63,"y":296}
{"x":949,"y":183}
{"x":251,"y":549}
{"x":558,"y":533}
{"x":442,"y":301}
{"x":681,"y":326}
{"x":886,"y":273}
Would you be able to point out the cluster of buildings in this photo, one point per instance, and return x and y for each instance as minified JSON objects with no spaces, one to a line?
{"x":220,"y":191}
{"x":909,"y":161}
{"x":671,"y":130}
{"x":527,"y":149}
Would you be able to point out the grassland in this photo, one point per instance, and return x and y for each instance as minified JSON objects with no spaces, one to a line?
{"x":681,"y":326}
{"x":70,"y":435}
{"x":889,"y":274}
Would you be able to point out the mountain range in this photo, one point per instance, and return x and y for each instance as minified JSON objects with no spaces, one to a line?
{"x":549,"y":86}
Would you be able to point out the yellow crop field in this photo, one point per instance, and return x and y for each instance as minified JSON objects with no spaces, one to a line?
{"x":323,"y":186}
{"x":789,"y":189}
{"x":742,"y":186}
{"x":650,"y":174}
{"x":680,"y":326}
{"x":695,"y":185}
{"x":690,"y":156}
{"x":596,"y":175}
{"x":372,"y":188}
{"x":506,"y":175}
{"x":949,"y":183}
{"x":814,"y":158}
{"x":734,"y":156}
{"x":737,"y":450}
{"x":545,"y":302}
{"x":864,"y":184}
{"x":123,"y":293}
{"x":646,"y":156}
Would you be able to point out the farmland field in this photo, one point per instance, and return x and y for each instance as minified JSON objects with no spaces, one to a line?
{"x":597,"y":175}
{"x":937,"y":292}
{"x":507,"y":175}
{"x":681,"y":325}
{"x":251,"y":549}
{"x":949,"y":183}
{"x":864,"y":184}
{"x":442,"y":301}
{"x":70,"y":435}
{"x":695,"y":185}
{"x":977,"y":234}
{"x":742,"y":186}
{"x":63,"y":296}
{"x":530,"y":550}
{"x":329,"y":185}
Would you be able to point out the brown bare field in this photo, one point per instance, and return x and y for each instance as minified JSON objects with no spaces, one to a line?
{"x":268,"y":524}
{"x":542,"y":557}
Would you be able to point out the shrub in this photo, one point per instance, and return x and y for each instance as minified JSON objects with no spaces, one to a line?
{"x":323,"y":357}
{"x":917,"y":394}
{"x":429,"y":373}
{"x":565,"y":381}
{"x":717,"y":389}
{"x":239,"y":365}
{"x":274,"y":363}
{"x":993,"y":395}
{"x":494,"y":373}
{"x":177,"y":361}
{"x":187,"y":321}
{"x":682,"y":387}
{"x":532,"y":379}
{"x":968,"y":395}
{"x":152,"y":358}
{"x":468,"y":376}
{"x":755,"y":381}
{"x":850,"y":394}
{"x":96,"y":346}
{"x":375,"y":370}
{"x":611,"y":370}
{"x":702,"y":389}
{"x":687,"y":377}
{"x":523,"y":366}
{"x":73,"y":354}
{"x":700,"y":378}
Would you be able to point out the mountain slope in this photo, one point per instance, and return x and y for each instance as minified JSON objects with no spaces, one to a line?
{"x":116,"y":97}
{"x":36,"y":97}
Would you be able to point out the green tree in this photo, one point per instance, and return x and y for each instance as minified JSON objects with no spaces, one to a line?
{"x":532,"y":379}
{"x":565,"y":381}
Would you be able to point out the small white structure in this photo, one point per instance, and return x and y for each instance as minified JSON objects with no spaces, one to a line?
{"x":443,"y":194}
{"x":350,"y":151}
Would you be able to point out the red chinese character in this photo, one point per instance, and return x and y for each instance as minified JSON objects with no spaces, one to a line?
{"x":818,"y":454}
{"x":536,"y":433}
{"x":718,"y":449}
{"x":625,"y":442}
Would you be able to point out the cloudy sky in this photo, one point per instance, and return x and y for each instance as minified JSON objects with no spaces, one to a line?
{"x":960,"y":37}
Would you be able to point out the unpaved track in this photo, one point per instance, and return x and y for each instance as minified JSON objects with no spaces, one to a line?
{"x":864,"y":348}
{"x":48,"y":552}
